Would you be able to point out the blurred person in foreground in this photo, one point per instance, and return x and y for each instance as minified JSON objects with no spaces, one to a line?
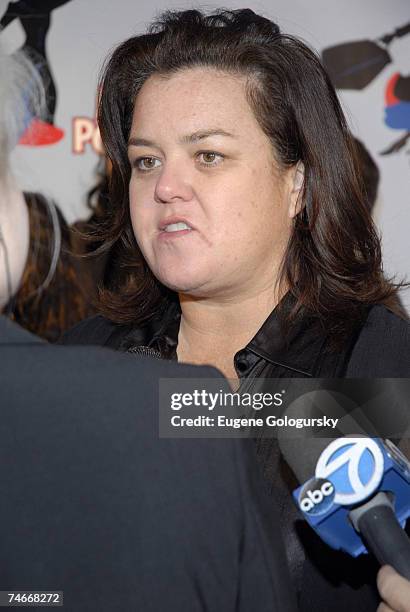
{"x":93,"y":503}
{"x":242,"y":235}
{"x":48,"y":297}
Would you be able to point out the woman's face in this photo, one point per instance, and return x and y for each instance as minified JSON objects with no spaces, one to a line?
{"x":210,"y":210}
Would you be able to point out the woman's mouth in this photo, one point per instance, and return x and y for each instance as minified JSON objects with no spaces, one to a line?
{"x":176,"y":227}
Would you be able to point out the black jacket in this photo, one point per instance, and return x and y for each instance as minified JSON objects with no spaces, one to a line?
{"x":93,"y":503}
{"x":379,"y":347}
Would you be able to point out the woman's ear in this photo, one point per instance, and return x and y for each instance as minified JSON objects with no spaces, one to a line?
{"x":296,"y":191}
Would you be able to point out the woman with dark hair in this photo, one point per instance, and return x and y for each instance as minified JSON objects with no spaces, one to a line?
{"x":68,"y":488}
{"x":241,"y":235}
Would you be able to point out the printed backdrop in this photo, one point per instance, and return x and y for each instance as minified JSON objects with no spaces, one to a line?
{"x":365,"y":46}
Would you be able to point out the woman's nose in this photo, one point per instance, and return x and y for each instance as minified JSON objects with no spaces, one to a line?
{"x":174,"y":183}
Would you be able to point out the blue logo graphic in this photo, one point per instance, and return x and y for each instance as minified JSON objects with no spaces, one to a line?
{"x":354,"y":466}
{"x":316,"y":497}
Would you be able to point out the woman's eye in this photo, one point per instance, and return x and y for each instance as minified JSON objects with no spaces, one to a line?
{"x":210,"y":158}
{"x":145,"y":164}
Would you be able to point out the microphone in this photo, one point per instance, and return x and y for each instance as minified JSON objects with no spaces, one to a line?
{"x":145,"y":351}
{"x":355,"y":494}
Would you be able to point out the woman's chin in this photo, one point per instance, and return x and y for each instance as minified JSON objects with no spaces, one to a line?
{"x":182,"y":282}
{"x":182,"y":286}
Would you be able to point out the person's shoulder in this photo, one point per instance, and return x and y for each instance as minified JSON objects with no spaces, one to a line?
{"x":385,"y":325}
{"x":382,"y":348}
{"x":12,"y":333}
{"x":96,"y":330}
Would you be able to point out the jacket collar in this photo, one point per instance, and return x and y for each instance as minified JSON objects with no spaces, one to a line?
{"x":299,"y":349}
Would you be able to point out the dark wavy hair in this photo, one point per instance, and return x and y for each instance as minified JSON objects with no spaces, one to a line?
{"x":332,"y":264}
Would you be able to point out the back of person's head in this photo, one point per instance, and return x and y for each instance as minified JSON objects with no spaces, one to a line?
{"x":332,"y":262}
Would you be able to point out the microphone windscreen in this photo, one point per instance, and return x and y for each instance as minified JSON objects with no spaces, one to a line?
{"x":145,"y":351}
{"x":302,"y":450}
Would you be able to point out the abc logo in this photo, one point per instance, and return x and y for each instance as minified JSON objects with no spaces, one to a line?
{"x":317,"y":496}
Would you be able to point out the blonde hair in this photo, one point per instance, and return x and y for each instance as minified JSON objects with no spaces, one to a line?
{"x":21,"y":97}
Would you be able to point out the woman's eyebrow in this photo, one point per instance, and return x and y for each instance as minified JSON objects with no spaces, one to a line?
{"x":141,"y":142}
{"x":187,"y":139}
{"x":202,"y":134}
